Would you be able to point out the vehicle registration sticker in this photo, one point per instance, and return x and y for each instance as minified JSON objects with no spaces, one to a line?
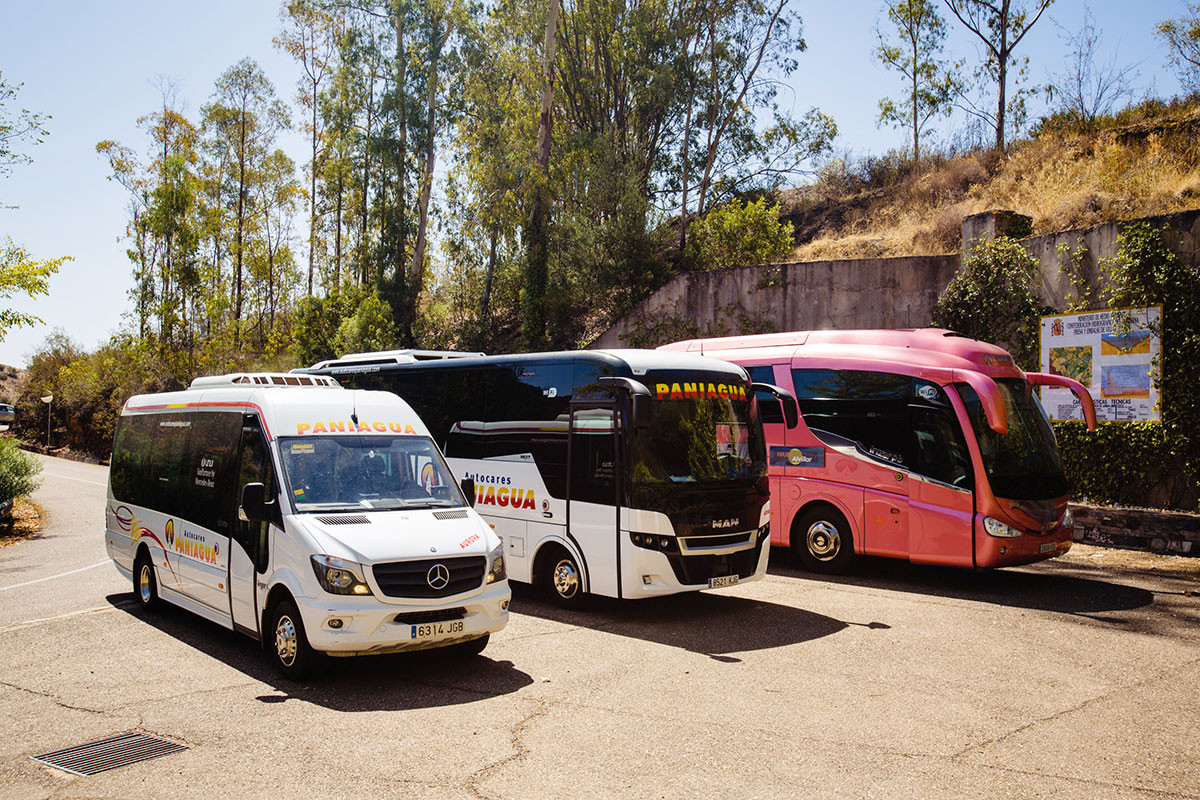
{"x":434,"y":629}
{"x":1048,"y":547}
{"x":724,"y":580}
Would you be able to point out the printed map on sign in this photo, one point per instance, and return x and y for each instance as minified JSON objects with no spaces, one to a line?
{"x":1113,"y":353}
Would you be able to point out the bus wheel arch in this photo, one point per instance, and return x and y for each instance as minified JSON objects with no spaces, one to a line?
{"x":821,"y":538}
{"x":557,"y":573}
{"x":285,"y":639}
{"x":145,"y":581}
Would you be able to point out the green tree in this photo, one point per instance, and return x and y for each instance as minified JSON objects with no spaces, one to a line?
{"x":23,"y":127}
{"x":22,"y":275}
{"x":930,"y":84}
{"x":1000,"y":25}
{"x":740,"y":234}
{"x":1182,"y":37}
{"x":994,"y":298}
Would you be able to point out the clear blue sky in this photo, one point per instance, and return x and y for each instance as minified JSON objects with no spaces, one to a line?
{"x":91,"y":67}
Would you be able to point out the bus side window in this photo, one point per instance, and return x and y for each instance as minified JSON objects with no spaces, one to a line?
{"x":167,"y":482}
{"x":534,"y":400}
{"x":769,"y":408}
{"x":210,"y":469}
{"x":130,"y":469}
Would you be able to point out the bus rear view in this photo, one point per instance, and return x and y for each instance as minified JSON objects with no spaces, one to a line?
{"x":916,"y":444}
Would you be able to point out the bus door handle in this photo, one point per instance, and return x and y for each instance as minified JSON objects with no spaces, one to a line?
{"x":895,"y":511}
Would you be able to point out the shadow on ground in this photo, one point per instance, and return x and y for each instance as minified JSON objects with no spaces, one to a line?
{"x":1047,"y":586}
{"x":370,"y":683}
{"x":709,"y":623}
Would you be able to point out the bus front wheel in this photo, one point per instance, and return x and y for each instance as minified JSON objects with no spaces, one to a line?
{"x":288,"y":643}
{"x":561,"y":579}
{"x":821,"y":539}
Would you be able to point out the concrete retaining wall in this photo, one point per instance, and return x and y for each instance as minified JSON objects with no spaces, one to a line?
{"x":1137,"y":529}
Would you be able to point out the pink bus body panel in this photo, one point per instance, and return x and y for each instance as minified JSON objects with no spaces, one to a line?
{"x":891,"y":511}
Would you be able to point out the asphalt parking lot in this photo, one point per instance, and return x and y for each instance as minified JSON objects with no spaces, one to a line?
{"x":1075,"y":678}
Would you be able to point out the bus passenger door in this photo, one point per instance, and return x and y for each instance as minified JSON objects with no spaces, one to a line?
{"x":248,"y":549}
{"x":943,"y":500}
{"x":594,"y":521}
{"x":775,"y":432}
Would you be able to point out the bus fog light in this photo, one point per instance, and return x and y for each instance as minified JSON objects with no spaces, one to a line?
{"x":1068,"y":521}
{"x":647,"y":580}
{"x":335,"y":623}
{"x":995,"y":527}
{"x":664,"y":543}
{"x":504,"y":605}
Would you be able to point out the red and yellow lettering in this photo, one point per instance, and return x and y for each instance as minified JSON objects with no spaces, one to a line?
{"x":409,"y":429}
{"x":337,"y":426}
{"x":723,"y":391}
{"x":676,"y":392}
{"x":303,"y":427}
{"x":502,"y":496}
{"x":379,"y":426}
{"x":661,"y":389}
{"x":395,"y":427}
{"x":689,"y":391}
{"x":319,"y":428}
{"x":490,"y":497}
{"x":528,"y":500}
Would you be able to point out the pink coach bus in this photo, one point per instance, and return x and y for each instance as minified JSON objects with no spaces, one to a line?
{"x":915,"y":444}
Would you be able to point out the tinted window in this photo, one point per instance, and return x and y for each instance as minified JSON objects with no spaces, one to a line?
{"x":209,"y":471}
{"x":899,"y":419}
{"x":130,"y":464}
{"x":769,"y":408}
{"x":527,"y":408}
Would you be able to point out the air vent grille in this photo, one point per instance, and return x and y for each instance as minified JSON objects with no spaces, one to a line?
{"x":345,"y":519}
{"x":459,"y":514}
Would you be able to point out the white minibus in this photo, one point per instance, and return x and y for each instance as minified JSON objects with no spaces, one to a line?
{"x":316,"y":519}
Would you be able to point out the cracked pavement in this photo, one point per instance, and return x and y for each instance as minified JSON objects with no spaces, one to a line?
{"x":1071,"y":679}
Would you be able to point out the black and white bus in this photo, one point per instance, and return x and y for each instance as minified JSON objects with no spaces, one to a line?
{"x":623,"y":473}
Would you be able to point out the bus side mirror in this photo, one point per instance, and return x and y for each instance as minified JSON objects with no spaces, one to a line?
{"x":468,"y":488}
{"x":256,"y":508}
{"x":787,"y":401}
{"x":640,"y":410}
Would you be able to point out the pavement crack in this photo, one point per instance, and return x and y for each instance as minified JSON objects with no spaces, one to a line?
{"x":519,"y":751}
{"x":978,"y":746}
{"x":53,"y":699}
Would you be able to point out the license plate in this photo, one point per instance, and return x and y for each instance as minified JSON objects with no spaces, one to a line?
{"x":724,"y":580}
{"x":433,"y":630}
{"x":1048,"y":547}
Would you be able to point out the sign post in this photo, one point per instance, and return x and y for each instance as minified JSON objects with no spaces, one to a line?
{"x":49,"y":401}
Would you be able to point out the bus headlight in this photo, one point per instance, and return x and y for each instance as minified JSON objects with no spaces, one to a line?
{"x":340,"y":577}
{"x":1068,"y":521}
{"x":995,"y":527}
{"x":496,"y":565}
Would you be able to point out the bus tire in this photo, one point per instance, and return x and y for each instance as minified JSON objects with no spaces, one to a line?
{"x":288,"y":645}
{"x":822,"y":541}
{"x":145,"y":583}
{"x":560,"y":578}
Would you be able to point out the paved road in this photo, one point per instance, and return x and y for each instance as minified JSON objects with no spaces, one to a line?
{"x":1072,"y":679}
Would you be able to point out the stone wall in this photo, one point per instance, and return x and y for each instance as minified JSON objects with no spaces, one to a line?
{"x":1137,"y":529}
{"x":863,"y":293}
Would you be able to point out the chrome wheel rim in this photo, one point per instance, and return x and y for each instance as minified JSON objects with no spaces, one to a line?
{"x":566,"y":579}
{"x":144,"y":582}
{"x":285,"y":640}
{"x":824,"y":541}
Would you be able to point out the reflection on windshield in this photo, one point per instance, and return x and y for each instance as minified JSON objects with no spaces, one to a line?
{"x":1022,"y":464}
{"x":330,"y":473}
{"x":696,"y":441}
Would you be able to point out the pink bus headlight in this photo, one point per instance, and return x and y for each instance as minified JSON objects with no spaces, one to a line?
{"x":995,"y":527}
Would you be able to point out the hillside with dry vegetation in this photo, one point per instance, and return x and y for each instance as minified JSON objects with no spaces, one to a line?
{"x":1065,"y":175}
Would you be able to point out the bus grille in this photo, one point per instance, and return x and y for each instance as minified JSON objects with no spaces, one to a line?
{"x":411,"y":578}
{"x":696,"y":570}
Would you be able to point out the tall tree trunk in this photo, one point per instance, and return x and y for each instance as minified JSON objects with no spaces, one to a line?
{"x":1002,"y":76}
{"x":538,"y":235}
{"x":312,"y":196}
{"x":683,"y":205}
{"x":491,"y":267}
{"x":241,"y":224}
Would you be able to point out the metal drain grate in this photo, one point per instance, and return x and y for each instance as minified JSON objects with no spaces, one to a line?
{"x":110,"y":753}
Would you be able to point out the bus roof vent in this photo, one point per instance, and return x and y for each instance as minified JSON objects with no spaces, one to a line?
{"x":393,"y":357}
{"x":263,"y":380}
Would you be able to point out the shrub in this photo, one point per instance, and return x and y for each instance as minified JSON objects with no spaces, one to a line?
{"x":994,"y":297}
{"x":18,"y":474}
{"x":737,"y":235}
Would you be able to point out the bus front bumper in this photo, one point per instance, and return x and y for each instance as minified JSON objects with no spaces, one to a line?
{"x":1023,"y":549}
{"x":351,"y":626}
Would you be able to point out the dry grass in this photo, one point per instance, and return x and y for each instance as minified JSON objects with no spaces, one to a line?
{"x":26,"y":521}
{"x":1062,"y":181}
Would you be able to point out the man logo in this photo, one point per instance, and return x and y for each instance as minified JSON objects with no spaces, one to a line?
{"x":724,"y":523}
{"x":438,"y":577}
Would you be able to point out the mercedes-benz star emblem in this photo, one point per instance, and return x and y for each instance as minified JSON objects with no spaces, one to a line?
{"x":438,"y":577}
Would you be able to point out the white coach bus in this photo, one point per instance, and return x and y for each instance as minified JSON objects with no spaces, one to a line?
{"x":622,"y":473}
{"x":317,"y":520}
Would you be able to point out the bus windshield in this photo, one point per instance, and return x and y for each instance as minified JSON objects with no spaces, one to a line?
{"x":696,"y":435}
{"x":343,"y":473}
{"x":1022,"y":464}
